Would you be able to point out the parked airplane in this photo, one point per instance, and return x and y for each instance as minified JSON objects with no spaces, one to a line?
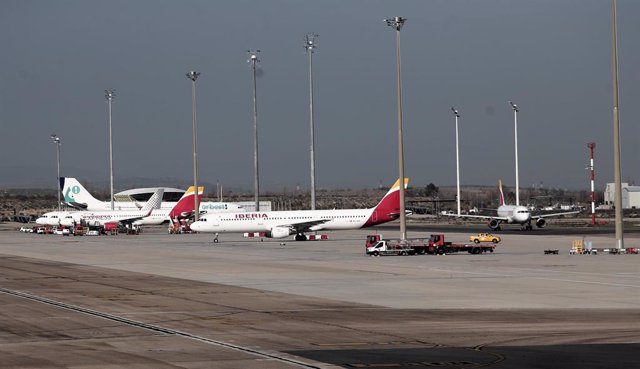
{"x":99,"y":218}
{"x":182,"y":209}
{"x":76,"y":196}
{"x":146,"y":216}
{"x":513,"y":214}
{"x":280,"y":224}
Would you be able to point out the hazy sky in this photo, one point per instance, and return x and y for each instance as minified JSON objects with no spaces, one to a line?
{"x":551,"y":57}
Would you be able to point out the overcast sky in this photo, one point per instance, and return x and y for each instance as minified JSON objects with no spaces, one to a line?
{"x":551,"y":57}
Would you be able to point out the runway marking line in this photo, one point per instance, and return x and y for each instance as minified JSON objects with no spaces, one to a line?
{"x":157,"y":328}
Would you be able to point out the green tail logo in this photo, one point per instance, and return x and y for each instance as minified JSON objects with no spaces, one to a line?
{"x":68,"y":196}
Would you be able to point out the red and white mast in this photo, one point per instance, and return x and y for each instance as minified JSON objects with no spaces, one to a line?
{"x":592,"y":146}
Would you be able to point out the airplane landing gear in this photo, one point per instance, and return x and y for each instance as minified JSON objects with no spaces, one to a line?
{"x":301,"y":237}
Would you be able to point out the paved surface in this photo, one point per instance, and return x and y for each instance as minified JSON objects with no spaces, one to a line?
{"x":250,"y":304}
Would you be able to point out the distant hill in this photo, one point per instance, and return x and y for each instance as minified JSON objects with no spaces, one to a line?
{"x":36,"y":176}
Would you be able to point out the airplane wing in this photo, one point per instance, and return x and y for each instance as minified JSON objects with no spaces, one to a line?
{"x":133,"y":219}
{"x":476,"y":216}
{"x":553,"y":215}
{"x":304,"y":226}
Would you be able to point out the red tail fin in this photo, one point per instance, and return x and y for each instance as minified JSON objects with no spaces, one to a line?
{"x":388,"y":208}
{"x":186,"y":203}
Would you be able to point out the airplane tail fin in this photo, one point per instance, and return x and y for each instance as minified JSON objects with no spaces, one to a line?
{"x":389,"y":207}
{"x":77,"y":196}
{"x":154,"y":201}
{"x":184,"y":206}
{"x":501,"y":193}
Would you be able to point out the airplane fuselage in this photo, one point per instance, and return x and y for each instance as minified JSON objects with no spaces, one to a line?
{"x":266,"y":221}
{"x":279,"y":224}
{"x":515,"y":214}
{"x":102,"y":217}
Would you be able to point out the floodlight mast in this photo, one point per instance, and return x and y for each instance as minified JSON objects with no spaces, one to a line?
{"x":110,"y":94}
{"x":592,"y":147}
{"x":193,"y":76}
{"x":457,"y":115}
{"x":253,"y":60}
{"x":616,"y":131}
{"x":310,"y":45}
{"x":516,"y":110}
{"x":397,"y":23}
{"x":56,"y":140}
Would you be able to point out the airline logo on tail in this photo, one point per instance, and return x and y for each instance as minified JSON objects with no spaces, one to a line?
{"x":186,"y":204}
{"x":68,"y":196}
{"x":501,"y":193}
{"x":388,"y":208}
{"x":396,"y":186}
{"x":75,"y":193}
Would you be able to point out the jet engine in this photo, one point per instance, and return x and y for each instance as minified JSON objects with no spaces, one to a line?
{"x":540,"y":223}
{"x":494,"y":224}
{"x":279,"y":232}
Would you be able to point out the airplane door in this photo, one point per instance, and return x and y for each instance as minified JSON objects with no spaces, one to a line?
{"x":374,"y":216}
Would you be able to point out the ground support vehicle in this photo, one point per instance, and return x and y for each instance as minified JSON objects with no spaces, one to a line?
{"x":110,"y":228}
{"x":435,"y":244}
{"x":179,"y":227}
{"x":484,"y":237}
{"x":79,"y":230}
{"x":438,"y":245}
{"x":45,"y":230}
{"x":63,"y":231}
{"x":390,"y":247}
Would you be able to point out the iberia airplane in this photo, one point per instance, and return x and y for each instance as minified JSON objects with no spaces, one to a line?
{"x":513,"y":214}
{"x":280,"y":224}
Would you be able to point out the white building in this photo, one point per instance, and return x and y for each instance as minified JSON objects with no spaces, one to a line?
{"x":174,"y":194}
{"x":630,"y":196}
{"x":250,"y":206}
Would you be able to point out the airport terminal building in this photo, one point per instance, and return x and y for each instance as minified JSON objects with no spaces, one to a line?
{"x":141,"y":195}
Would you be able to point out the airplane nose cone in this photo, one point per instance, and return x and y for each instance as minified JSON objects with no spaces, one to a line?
{"x":196,"y":226}
{"x":40,"y":221}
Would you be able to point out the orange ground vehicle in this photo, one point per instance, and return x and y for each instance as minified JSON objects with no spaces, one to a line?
{"x":484,"y":237}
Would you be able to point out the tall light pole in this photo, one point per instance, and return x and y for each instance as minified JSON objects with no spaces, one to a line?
{"x":397,"y":23}
{"x":193,"y":76}
{"x":253,"y":60}
{"x":310,"y":45}
{"x":457,"y":115}
{"x":515,"y":124}
{"x":616,"y":129}
{"x":56,"y":140}
{"x":110,"y":94}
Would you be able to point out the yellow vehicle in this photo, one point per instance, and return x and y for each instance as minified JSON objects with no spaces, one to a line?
{"x":484,"y":237}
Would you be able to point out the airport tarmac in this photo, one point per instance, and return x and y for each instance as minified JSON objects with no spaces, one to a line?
{"x":158,"y":300}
